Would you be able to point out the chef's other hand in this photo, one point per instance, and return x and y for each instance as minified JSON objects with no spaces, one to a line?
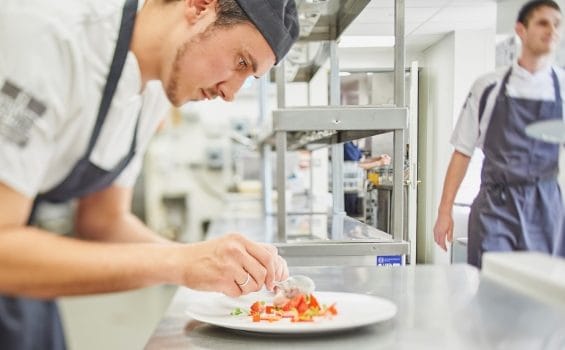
{"x":443,"y":230}
{"x":233,"y":265}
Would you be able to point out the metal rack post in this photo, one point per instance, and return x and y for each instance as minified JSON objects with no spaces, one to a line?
{"x":281,"y":157}
{"x":399,"y":87}
{"x":265,"y":149}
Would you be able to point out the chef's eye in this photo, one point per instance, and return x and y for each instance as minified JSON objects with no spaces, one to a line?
{"x":242,"y":64}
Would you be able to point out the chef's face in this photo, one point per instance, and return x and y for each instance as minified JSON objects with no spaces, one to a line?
{"x":540,"y":35}
{"x":216,"y":63}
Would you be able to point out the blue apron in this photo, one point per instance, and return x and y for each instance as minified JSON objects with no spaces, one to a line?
{"x":519,"y":205}
{"x":353,"y":204}
{"x":31,"y":324}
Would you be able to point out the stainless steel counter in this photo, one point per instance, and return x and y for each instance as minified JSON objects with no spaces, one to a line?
{"x":439,"y":307}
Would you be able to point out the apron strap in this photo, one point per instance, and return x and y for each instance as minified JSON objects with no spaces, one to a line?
{"x":556,"y":86}
{"x":121,"y":50}
{"x":502,"y":90}
{"x":118,"y":62}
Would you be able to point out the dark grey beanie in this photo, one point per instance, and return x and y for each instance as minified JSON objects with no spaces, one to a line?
{"x":277,"y":20}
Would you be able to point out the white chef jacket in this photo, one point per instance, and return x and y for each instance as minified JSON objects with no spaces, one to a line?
{"x":472,"y":125}
{"x":55,"y":57}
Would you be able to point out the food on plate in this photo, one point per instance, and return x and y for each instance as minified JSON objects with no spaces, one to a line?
{"x":299,"y":308}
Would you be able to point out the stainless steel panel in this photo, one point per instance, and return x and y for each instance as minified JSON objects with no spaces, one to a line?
{"x":340,"y":118}
{"x":327,"y":19}
{"x":336,"y":248}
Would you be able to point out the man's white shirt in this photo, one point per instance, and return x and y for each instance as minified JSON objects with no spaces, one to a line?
{"x":470,"y":130}
{"x":55,"y":58}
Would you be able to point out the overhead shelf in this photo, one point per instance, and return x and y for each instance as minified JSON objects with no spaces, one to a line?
{"x":302,"y":69}
{"x":314,"y":127}
{"x":320,"y":21}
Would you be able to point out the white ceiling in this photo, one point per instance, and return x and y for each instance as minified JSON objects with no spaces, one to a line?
{"x":426,"y":20}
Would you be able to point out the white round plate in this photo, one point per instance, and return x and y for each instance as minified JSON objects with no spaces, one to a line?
{"x":354,"y":310}
{"x":548,"y":131}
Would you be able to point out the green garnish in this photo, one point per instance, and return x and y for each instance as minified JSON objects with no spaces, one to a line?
{"x":236,"y":312}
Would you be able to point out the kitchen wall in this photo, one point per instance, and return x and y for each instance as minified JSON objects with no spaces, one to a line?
{"x":448,"y":70}
{"x":436,"y":109}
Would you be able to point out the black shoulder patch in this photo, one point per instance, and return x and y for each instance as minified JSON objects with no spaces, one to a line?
{"x":18,"y":112}
{"x":484,"y":99}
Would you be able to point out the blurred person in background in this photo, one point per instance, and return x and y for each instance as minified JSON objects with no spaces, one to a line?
{"x":519,"y":206}
{"x":353,"y":153}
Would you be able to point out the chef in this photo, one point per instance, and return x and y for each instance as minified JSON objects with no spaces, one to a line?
{"x":519,"y":206}
{"x":83,"y":86}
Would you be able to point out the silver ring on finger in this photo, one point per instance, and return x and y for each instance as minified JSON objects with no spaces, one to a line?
{"x":246,"y":281}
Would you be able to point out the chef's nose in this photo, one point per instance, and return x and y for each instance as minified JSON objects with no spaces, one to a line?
{"x":229,"y":88}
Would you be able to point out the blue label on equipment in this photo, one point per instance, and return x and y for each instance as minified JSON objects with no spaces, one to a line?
{"x":389,"y":260}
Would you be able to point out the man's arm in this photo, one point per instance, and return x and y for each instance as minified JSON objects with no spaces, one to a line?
{"x":106,"y":216}
{"x":443,"y":228}
{"x":36,"y":263}
{"x":383,"y":159}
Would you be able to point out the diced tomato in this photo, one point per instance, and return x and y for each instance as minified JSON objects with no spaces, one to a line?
{"x":302,"y":307}
{"x":257,"y":307}
{"x":293,"y":303}
{"x":314,"y":302}
{"x":332,"y":310}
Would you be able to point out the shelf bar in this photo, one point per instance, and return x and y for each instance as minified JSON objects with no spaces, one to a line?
{"x":336,"y":149}
{"x":399,"y":143}
{"x":340,"y":118}
{"x":281,"y":157}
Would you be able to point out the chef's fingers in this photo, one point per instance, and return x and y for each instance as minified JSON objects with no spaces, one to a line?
{"x":249,"y":265}
{"x":247,"y":284}
{"x":281,"y":266}
{"x":281,"y":269}
{"x":266,"y":256}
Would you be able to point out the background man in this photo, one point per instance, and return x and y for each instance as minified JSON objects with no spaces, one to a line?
{"x":519,"y":205}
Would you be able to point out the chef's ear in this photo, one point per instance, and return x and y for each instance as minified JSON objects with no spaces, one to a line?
{"x":520,"y":30}
{"x":196,"y":9}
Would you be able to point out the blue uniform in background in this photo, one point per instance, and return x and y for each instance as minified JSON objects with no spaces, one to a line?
{"x":351,"y":200}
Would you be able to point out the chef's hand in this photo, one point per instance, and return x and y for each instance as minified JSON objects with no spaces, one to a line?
{"x":281,"y":267}
{"x":232,"y":265}
{"x":443,"y":230}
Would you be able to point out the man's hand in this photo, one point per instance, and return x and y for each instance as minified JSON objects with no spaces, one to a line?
{"x":383,"y":159}
{"x":223,"y":265}
{"x":443,"y":230}
{"x":456,"y":170}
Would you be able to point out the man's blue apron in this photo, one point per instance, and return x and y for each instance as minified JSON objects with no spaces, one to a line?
{"x":31,"y":324}
{"x":353,"y":204}
{"x":519,"y":205}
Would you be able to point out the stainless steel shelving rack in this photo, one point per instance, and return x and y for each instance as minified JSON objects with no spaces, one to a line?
{"x":308,"y":128}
